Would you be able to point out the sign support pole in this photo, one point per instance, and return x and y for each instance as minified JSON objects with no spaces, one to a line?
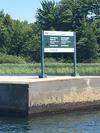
{"x":75,"y":70}
{"x":42,"y":58}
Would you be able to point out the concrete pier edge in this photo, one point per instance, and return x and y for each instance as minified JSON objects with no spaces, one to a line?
{"x":30,"y":96}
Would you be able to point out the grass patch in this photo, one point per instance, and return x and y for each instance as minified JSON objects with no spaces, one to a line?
{"x":89,"y":69}
{"x":19,"y":68}
{"x":50,"y":68}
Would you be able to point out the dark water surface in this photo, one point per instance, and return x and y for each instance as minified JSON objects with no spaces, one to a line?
{"x":77,"y":122}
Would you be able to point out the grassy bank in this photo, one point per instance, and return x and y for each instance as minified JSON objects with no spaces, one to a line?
{"x":50,"y":68}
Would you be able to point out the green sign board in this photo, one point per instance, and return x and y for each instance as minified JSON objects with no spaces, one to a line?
{"x":58,"y":41}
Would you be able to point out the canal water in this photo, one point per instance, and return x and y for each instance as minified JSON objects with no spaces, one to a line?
{"x":77,"y":122}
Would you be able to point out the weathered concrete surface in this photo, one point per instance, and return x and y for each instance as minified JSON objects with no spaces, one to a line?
{"x":28,"y":95}
{"x":64,"y":94}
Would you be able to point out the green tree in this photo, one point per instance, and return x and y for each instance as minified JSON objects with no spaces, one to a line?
{"x":79,"y":11}
{"x":31,"y":47}
{"x":46,"y":16}
{"x":19,"y":38}
{"x":87,"y":47}
{"x":97,"y":22}
{"x":4,"y":38}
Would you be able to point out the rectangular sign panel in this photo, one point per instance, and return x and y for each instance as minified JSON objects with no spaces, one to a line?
{"x":58,"y":41}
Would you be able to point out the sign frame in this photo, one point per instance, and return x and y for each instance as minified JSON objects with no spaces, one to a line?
{"x":54,"y":49}
{"x":58,"y":41}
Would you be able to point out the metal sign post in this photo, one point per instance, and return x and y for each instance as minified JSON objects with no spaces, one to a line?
{"x":42,"y":75}
{"x":57,"y":42}
{"x":75,"y":71}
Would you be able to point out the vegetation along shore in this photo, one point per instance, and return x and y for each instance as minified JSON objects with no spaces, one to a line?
{"x":20,"y":41}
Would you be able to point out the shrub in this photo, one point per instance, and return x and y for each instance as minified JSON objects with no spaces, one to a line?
{"x":11,"y":59}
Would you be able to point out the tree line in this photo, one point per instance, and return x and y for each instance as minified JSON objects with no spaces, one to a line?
{"x":82,"y":16}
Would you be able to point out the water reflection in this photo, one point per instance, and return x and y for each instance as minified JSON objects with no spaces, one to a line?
{"x":77,"y":122}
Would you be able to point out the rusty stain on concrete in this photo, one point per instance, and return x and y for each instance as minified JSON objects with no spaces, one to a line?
{"x":88,"y":94}
{"x":72,"y":94}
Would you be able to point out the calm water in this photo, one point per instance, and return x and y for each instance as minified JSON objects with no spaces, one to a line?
{"x":78,"y":122}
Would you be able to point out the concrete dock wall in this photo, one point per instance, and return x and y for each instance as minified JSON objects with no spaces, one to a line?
{"x":13,"y":99}
{"x":34,"y":96}
{"x":64,"y":94}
